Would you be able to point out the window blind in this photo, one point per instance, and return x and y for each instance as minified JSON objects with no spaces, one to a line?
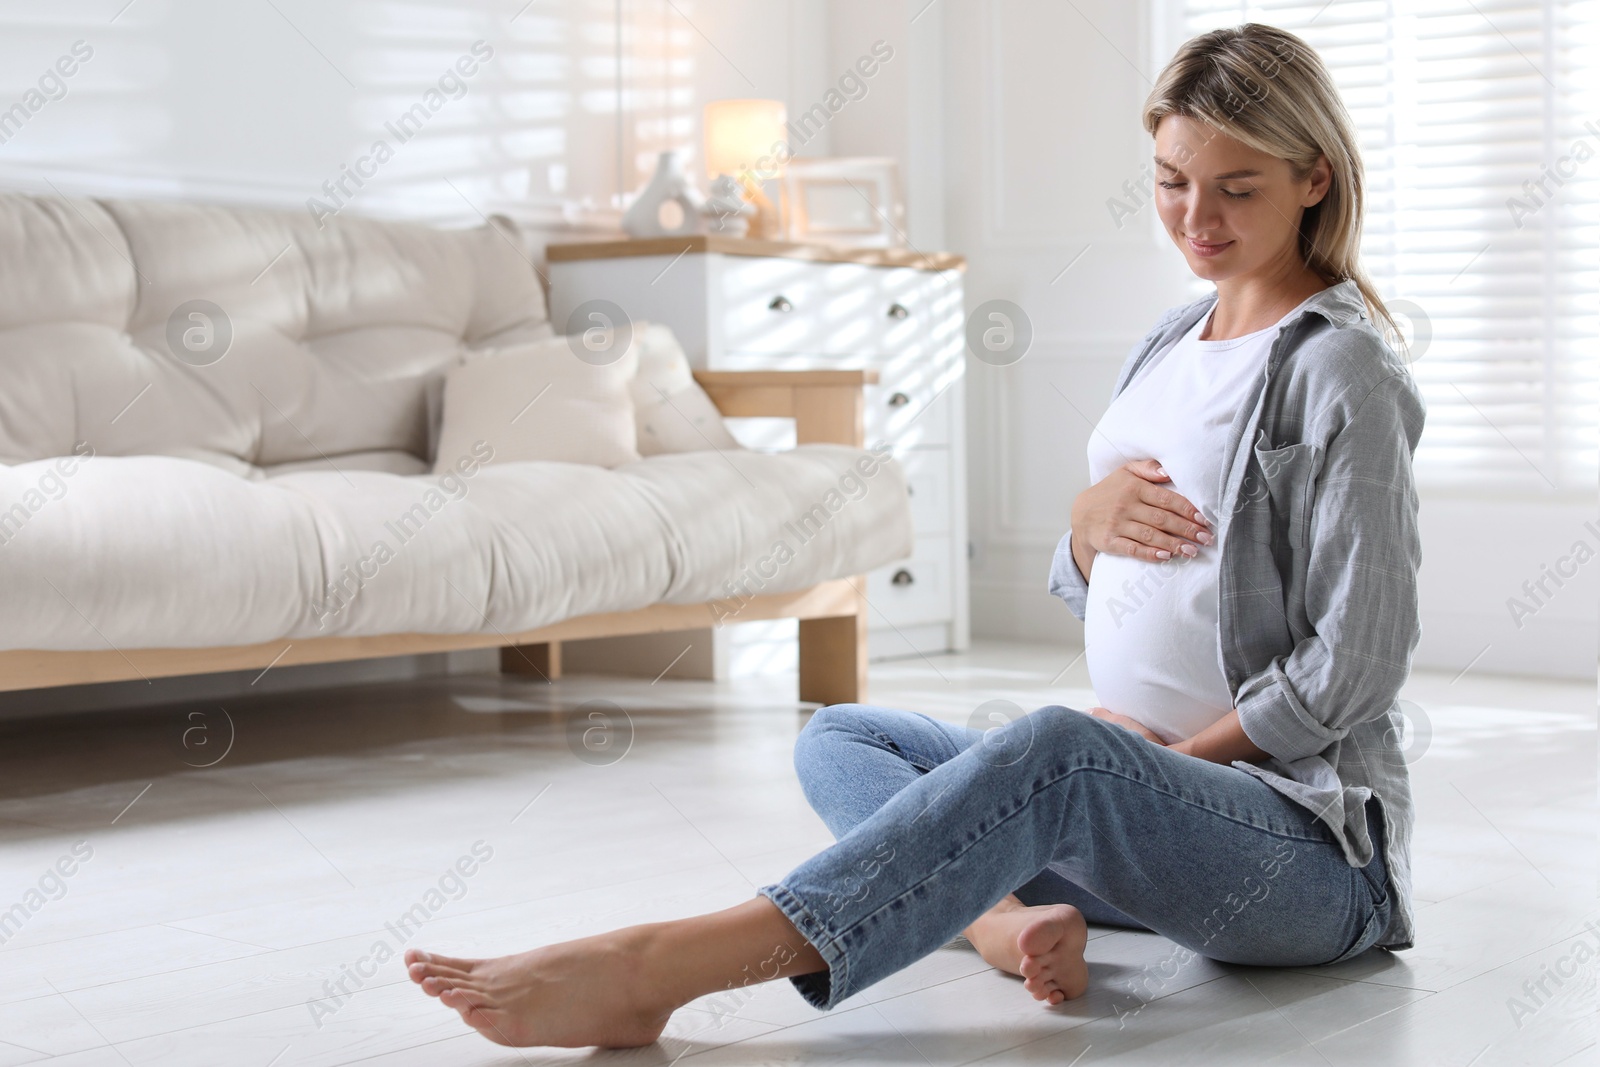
{"x":1479,"y":125}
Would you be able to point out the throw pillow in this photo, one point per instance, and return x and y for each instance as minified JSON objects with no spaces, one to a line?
{"x":538,"y":401}
{"x":671,"y":412}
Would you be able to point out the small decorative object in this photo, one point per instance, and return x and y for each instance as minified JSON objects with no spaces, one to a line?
{"x":745,"y":143}
{"x":726,"y":211}
{"x":670,"y":184}
{"x":852,"y":201}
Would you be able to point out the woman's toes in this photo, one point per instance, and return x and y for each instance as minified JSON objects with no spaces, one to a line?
{"x":435,"y":986}
{"x":1052,"y":963}
{"x":419,"y":971}
{"x":460,"y":999}
{"x":414,"y":955}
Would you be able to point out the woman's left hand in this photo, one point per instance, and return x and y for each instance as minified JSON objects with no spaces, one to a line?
{"x":1127,"y":724}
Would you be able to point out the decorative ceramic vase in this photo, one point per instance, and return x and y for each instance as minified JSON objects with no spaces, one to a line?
{"x":670,"y":183}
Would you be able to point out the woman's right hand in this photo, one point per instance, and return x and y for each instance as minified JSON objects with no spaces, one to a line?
{"x":1130,"y":512}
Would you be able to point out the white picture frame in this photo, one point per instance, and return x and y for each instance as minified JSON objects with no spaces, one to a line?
{"x":851,"y":201}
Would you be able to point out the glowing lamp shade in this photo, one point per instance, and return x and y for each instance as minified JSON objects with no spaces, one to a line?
{"x":740,"y":134}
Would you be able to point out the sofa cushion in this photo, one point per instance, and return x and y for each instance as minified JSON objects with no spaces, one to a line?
{"x":337,"y":336}
{"x":151,"y":552}
{"x":540,"y":401}
{"x":186,"y":555}
{"x":745,"y":523}
{"x":671,"y":412}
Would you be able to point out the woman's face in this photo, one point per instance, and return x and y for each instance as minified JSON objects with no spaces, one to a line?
{"x":1231,"y":210}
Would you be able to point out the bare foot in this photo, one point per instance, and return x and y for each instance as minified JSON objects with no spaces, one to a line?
{"x":616,"y":990}
{"x":1042,"y":945}
{"x":572,"y":995}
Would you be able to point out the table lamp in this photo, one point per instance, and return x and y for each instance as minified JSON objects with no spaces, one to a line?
{"x":746,"y":140}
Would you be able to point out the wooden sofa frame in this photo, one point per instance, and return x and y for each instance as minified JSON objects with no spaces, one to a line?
{"x":827,"y":407}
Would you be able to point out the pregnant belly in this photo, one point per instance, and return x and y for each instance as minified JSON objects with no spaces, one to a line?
{"x":1150,"y":642}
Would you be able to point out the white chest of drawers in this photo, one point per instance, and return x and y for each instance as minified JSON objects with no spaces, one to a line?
{"x":738,"y":304}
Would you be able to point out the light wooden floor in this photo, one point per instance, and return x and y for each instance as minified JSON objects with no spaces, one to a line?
{"x":213,"y":910}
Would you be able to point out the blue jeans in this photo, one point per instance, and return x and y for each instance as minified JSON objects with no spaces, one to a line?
{"x":936,"y":823}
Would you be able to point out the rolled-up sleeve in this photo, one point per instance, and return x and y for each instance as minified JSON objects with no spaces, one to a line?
{"x":1066,"y":581}
{"x":1364,"y":550}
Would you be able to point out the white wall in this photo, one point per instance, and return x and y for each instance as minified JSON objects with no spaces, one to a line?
{"x":263,"y":102}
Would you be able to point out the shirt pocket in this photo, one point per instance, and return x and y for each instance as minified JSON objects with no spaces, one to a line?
{"x":1282,"y":477}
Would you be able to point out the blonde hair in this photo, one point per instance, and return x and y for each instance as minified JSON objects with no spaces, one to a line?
{"x":1266,"y":88}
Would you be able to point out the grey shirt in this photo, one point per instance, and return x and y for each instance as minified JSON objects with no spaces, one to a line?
{"x":1317,"y":598}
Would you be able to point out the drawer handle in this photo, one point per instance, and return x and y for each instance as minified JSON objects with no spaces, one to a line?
{"x":901,"y":577}
{"x":899,"y":400}
{"x":780,"y":303}
{"x":898,"y":311}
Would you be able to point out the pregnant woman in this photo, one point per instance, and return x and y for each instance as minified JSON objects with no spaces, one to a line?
{"x":1245,"y":563}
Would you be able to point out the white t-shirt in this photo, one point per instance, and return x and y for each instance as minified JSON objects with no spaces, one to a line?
{"x":1152,"y":642}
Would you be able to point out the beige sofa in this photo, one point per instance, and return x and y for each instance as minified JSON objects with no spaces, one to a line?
{"x":210,"y":417}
